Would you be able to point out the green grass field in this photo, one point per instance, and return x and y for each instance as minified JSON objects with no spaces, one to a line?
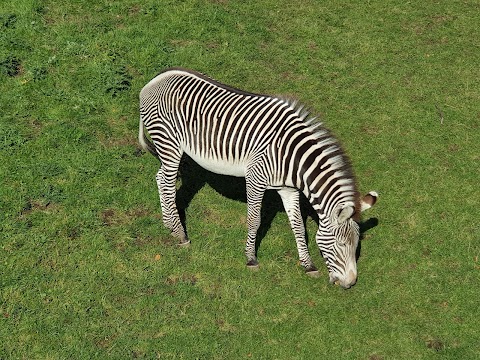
{"x":87,"y":270}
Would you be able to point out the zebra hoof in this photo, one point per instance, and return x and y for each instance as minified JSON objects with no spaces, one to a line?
{"x":253,"y":265}
{"x":184,"y":244}
{"x":313,"y":273}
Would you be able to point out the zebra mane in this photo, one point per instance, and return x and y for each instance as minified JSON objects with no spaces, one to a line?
{"x":323,"y":134}
{"x":314,"y":124}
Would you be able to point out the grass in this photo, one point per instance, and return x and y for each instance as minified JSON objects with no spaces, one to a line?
{"x":87,"y":269}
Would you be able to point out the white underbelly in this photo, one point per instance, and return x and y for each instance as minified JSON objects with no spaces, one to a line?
{"x":220,"y":166}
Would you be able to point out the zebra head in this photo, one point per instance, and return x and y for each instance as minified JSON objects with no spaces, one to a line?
{"x":337,"y":238}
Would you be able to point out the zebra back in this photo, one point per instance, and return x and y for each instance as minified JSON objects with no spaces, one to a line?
{"x":226,"y":129}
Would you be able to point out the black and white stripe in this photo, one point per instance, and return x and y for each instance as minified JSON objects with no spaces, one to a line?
{"x":267,"y":140}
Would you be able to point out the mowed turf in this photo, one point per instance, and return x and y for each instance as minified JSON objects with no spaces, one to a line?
{"x":87,"y":270}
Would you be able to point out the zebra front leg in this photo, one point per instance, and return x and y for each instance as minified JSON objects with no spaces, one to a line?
{"x":291,"y":203}
{"x":254,"y":205}
{"x":166,"y":179}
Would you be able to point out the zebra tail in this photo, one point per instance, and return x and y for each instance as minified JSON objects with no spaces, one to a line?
{"x":144,"y":142}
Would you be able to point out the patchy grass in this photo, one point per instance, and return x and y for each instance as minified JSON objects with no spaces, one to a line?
{"x":88,"y":270}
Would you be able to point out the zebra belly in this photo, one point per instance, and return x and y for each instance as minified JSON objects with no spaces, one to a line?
{"x":219,"y":166}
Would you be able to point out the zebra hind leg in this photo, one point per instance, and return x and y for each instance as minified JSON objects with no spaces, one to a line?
{"x":254,"y":204}
{"x":291,"y":203}
{"x":166,"y":179}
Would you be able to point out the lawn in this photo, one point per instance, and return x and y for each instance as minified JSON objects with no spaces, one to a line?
{"x":87,"y":270}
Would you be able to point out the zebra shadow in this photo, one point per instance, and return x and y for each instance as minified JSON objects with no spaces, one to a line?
{"x":194,"y":178}
{"x":364,"y":227}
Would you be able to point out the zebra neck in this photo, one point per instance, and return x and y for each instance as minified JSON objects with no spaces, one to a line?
{"x":321,"y":170}
{"x":332,"y":198}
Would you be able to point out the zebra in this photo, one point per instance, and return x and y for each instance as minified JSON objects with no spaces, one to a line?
{"x":270,"y":141}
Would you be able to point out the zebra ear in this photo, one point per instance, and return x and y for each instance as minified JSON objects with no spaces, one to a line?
{"x":346,"y":213}
{"x":368,"y":200}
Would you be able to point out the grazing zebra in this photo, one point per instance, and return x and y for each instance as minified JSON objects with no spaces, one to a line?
{"x":269,"y":141}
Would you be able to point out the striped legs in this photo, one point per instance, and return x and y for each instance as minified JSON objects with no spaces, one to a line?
{"x":255,"y":193}
{"x":291,"y":202}
{"x":166,"y":179}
